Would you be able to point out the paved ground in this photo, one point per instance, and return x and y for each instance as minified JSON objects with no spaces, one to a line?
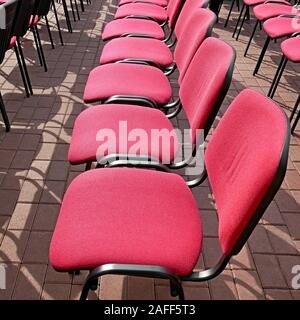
{"x":34,"y":174}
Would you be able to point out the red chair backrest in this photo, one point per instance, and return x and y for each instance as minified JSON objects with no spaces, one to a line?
{"x":173,"y":10}
{"x":206,"y":83}
{"x":246,"y":160}
{"x":187,"y":10}
{"x":198,"y":27}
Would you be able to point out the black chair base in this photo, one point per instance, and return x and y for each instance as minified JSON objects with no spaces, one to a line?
{"x":4,"y":114}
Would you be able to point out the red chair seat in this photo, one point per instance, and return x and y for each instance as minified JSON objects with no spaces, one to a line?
{"x":84,"y":146}
{"x":156,"y":12}
{"x":267,"y":11}
{"x":162,"y":3}
{"x":142,"y":217}
{"x":137,"y":48}
{"x":281,"y":26}
{"x":127,"y":79}
{"x":291,"y":49}
{"x":12,"y":43}
{"x":118,"y":28}
{"x":256,"y":2}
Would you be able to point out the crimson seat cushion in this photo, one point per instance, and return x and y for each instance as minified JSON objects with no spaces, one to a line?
{"x":241,"y":167}
{"x":162,"y":3}
{"x":127,"y":79}
{"x":127,"y":216}
{"x":89,"y":143}
{"x":291,"y":49}
{"x":267,"y":11}
{"x":137,"y":48}
{"x":142,"y":9}
{"x":256,"y":2}
{"x":12,"y":42}
{"x":118,"y":28}
{"x":280,"y":26}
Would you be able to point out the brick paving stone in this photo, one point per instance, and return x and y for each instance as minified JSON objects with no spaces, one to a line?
{"x":248,"y":285}
{"x":30,"y":282}
{"x":269,"y":271}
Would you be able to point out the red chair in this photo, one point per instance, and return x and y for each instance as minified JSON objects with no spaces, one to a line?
{"x":247,"y":5}
{"x":142,"y":11}
{"x":156,"y":52}
{"x":266,"y":11}
{"x":201,"y":94}
{"x":162,"y":3}
{"x":152,"y":228}
{"x":291,"y":52}
{"x":141,"y":27}
{"x":247,"y":12}
{"x":275,"y":28}
{"x":129,"y":81}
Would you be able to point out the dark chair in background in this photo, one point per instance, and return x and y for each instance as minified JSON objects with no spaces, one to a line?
{"x":6,"y":34}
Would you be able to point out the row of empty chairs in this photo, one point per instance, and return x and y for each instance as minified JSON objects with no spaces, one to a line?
{"x":134,"y":215}
{"x":278,"y":19}
{"x":22,"y":16}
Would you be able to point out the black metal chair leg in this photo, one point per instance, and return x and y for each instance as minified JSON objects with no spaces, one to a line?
{"x":229,"y":13}
{"x":72,"y":8}
{"x":82,"y":5}
{"x":22,"y":71}
{"x":238,"y":4}
{"x":4,"y":114}
{"x":37,"y":46}
{"x":24,"y":66}
{"x":251,"y":37}
{"x":67,"y":16}
{"x":49,"y":32}
{"x":41,"y":48}
{"x":293,"y":113}
{"x":242,"y":24}
{"x":262,"y":54}
{"x":277,"y":76}
{"x":295,"y":122}
{"x":57,"y":23}
{"x":76,"y":7}
{"x":239,"y":19}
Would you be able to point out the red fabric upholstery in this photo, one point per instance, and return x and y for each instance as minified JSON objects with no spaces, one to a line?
{"x":128,"y":216}
{"x":84,"y":146}
{"x":203,"y":81}
{"x":117,"y":28}
{"x":281,"y":26}
{"x":291,"y":49}
{"x":256,"y":2}
{"x":162,"y":3}
{"x":156,"y":12}
{"x":127,"y":79}
{"x":137,"y":48}
{"x":189,"y":7}
{"x":12,"y":43}
{"x":267,"y":11}
{"x":242,"y":158}
{"x":173,"y":11}
{"x":198,"y":27}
